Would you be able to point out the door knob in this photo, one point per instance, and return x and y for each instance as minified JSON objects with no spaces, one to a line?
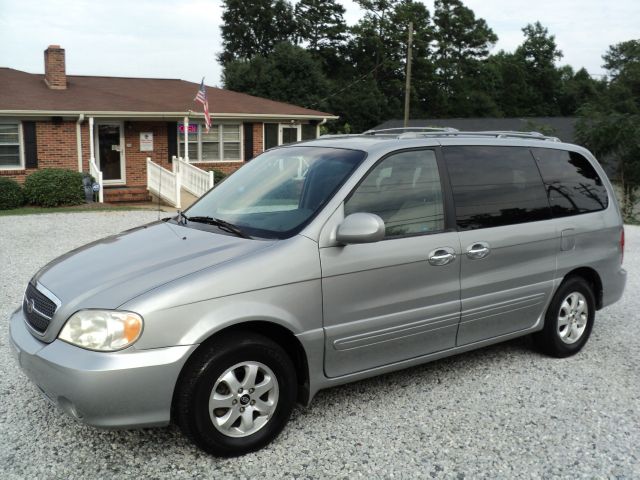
{"x":478,"y":250}
{"x":442,"y":256}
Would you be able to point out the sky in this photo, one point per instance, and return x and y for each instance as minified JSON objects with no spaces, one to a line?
{"x":180,"y":38}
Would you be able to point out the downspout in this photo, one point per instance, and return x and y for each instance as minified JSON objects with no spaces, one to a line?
{"x":79,"y":140}
{"x":324,"y":120}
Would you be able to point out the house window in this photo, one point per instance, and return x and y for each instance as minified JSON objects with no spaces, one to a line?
{"x":220,"y":144}
{"x":10,"y":155}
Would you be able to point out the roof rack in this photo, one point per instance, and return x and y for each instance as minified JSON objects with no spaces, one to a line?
{"x":417,"y":132}
{"x":390,"y":131}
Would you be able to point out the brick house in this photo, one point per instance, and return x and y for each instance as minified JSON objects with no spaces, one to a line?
{"x":57,"y":120}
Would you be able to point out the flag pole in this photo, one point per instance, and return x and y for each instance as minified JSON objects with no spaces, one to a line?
{"x":186,"y":138}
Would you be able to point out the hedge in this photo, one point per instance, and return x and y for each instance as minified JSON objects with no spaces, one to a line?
{"x":11,"y":195}
{"x":53,"y":187}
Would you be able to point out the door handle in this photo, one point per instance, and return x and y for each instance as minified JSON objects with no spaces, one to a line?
{"x":442,"y":256}
{"x":478,"y":250}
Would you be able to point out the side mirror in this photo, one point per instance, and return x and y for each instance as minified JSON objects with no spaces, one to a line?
{"x":360,"y":228}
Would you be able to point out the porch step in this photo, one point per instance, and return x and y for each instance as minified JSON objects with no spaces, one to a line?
{"x":126,"y":194}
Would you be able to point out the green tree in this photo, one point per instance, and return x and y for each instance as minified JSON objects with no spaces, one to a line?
{"x":462,"y":44}
{"x":254,"y":28}
{"x":539,"y":53}
{"x":320,"y":24}
{"x":610,"y":124}
{"x":289,"y":74}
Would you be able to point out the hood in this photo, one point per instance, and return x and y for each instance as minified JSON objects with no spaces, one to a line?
{"x":108,"y":272}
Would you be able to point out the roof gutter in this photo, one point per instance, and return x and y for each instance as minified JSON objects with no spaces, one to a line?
{"x":161,"y":115}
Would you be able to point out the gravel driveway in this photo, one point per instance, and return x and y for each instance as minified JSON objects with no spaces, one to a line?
{"x":500,"y":412}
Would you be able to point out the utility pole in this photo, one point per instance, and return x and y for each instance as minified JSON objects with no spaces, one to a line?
{"x":407,"y":90}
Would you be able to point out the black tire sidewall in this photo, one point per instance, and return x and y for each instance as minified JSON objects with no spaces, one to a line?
{"x":554,"y":343}
{"x":271,"y":355}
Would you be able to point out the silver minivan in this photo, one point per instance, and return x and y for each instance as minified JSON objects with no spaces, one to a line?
{"x":321,"y":263}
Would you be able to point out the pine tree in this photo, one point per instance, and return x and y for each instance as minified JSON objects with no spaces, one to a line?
{"x":254,"y":28}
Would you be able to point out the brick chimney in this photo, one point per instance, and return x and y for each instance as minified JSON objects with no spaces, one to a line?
{"x":54,"y":69}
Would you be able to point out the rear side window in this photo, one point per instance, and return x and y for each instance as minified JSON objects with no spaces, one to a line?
{"x":495,"y":186}
{"x":572,"y":184}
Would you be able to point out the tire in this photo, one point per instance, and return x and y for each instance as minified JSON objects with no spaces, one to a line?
{"x":569,"y":319}
{"x":227,"y":362}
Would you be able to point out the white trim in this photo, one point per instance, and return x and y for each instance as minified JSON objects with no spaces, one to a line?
{"x":163,"y":115}
{"x":20,"y":146}
{"x":123,"y":164}
{"x":282,"y":126}
{"x":198,"y":140}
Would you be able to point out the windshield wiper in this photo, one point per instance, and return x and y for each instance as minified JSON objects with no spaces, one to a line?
{"x":221,"y":224}
{"x":182,"y":218}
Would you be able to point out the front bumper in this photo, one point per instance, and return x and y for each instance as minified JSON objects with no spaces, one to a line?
{"x":127,"y":389}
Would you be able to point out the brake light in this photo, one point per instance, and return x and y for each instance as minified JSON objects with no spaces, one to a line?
{"x":622,"y":245}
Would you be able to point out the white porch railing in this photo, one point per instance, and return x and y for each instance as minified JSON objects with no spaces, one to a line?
{"x":163,"y":183}
{"x":193,"y":179}
{"x":95,"y":172}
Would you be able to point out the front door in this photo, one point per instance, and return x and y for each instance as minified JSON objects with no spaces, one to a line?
{"x":290,"y":134}
{"x":399,"y":298}
{"x":110,"y":156}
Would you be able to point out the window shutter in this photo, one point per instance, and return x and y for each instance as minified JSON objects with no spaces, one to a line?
{"x":248,"y":141}
{"x":270,"y":135}
{"x":308,"y":131}
{"x":30,"y":144}
{"x":172,"y":139}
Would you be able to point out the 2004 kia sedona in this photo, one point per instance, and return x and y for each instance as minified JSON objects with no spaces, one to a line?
{"x":318,"y":264}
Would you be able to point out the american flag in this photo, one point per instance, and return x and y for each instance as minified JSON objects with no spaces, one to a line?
{"x":201,"y":97}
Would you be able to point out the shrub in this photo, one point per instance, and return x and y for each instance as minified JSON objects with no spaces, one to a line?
{"x":218,"y":175}
{"x":10,"y":194}
{"x":52,"y":187}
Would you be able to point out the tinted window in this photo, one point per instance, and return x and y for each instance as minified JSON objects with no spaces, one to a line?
{"x":572,"y":184}
{"x":404,"y":190}
{"x":494,"y":186}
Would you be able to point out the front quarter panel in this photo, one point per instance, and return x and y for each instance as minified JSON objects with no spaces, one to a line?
{"x":280,"y":284}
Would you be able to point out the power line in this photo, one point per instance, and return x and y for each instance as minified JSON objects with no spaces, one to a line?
{"x":345,"y":88}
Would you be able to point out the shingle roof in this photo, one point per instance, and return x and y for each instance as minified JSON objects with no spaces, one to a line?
{"x":27,"y":91}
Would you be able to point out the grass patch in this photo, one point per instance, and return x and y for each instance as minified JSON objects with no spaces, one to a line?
{"x":77,"y":208}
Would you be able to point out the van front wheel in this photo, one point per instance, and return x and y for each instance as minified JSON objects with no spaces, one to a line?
{"x":236,"y":395}
{"x":569,"y":319}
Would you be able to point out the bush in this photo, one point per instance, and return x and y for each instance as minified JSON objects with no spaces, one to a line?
{"x":218,"y":175}
{"x":10,"y":194}
{"x":53,"y":187}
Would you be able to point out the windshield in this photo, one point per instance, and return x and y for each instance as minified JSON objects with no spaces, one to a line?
{"x":279,"y":192}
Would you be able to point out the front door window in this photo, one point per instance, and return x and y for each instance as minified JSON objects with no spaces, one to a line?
{"x":109,"y":152}
{"x":289,"y":135}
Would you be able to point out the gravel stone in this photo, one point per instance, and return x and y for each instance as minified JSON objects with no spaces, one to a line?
{"x":504,"y":411}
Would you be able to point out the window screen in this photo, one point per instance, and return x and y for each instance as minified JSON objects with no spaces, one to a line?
{"x":404,"y":190}
{"x":495,"y":186}
{"x":572,"y":184}
{"x":10,"y":145}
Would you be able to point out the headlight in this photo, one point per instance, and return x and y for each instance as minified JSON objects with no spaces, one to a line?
{"x":102,"y":330}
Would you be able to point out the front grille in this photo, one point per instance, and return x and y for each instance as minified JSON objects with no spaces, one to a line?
{"x":38,"y":309}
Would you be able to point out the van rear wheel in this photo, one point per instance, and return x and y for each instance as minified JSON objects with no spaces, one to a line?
{"x":569,"y":319}
{"x":236,"y":394}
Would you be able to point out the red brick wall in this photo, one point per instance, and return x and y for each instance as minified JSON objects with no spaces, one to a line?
{"x":56,"y":146}
{"x":226,"y":167}
{"x":258,"y":147}
{"x":136,"y":161}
